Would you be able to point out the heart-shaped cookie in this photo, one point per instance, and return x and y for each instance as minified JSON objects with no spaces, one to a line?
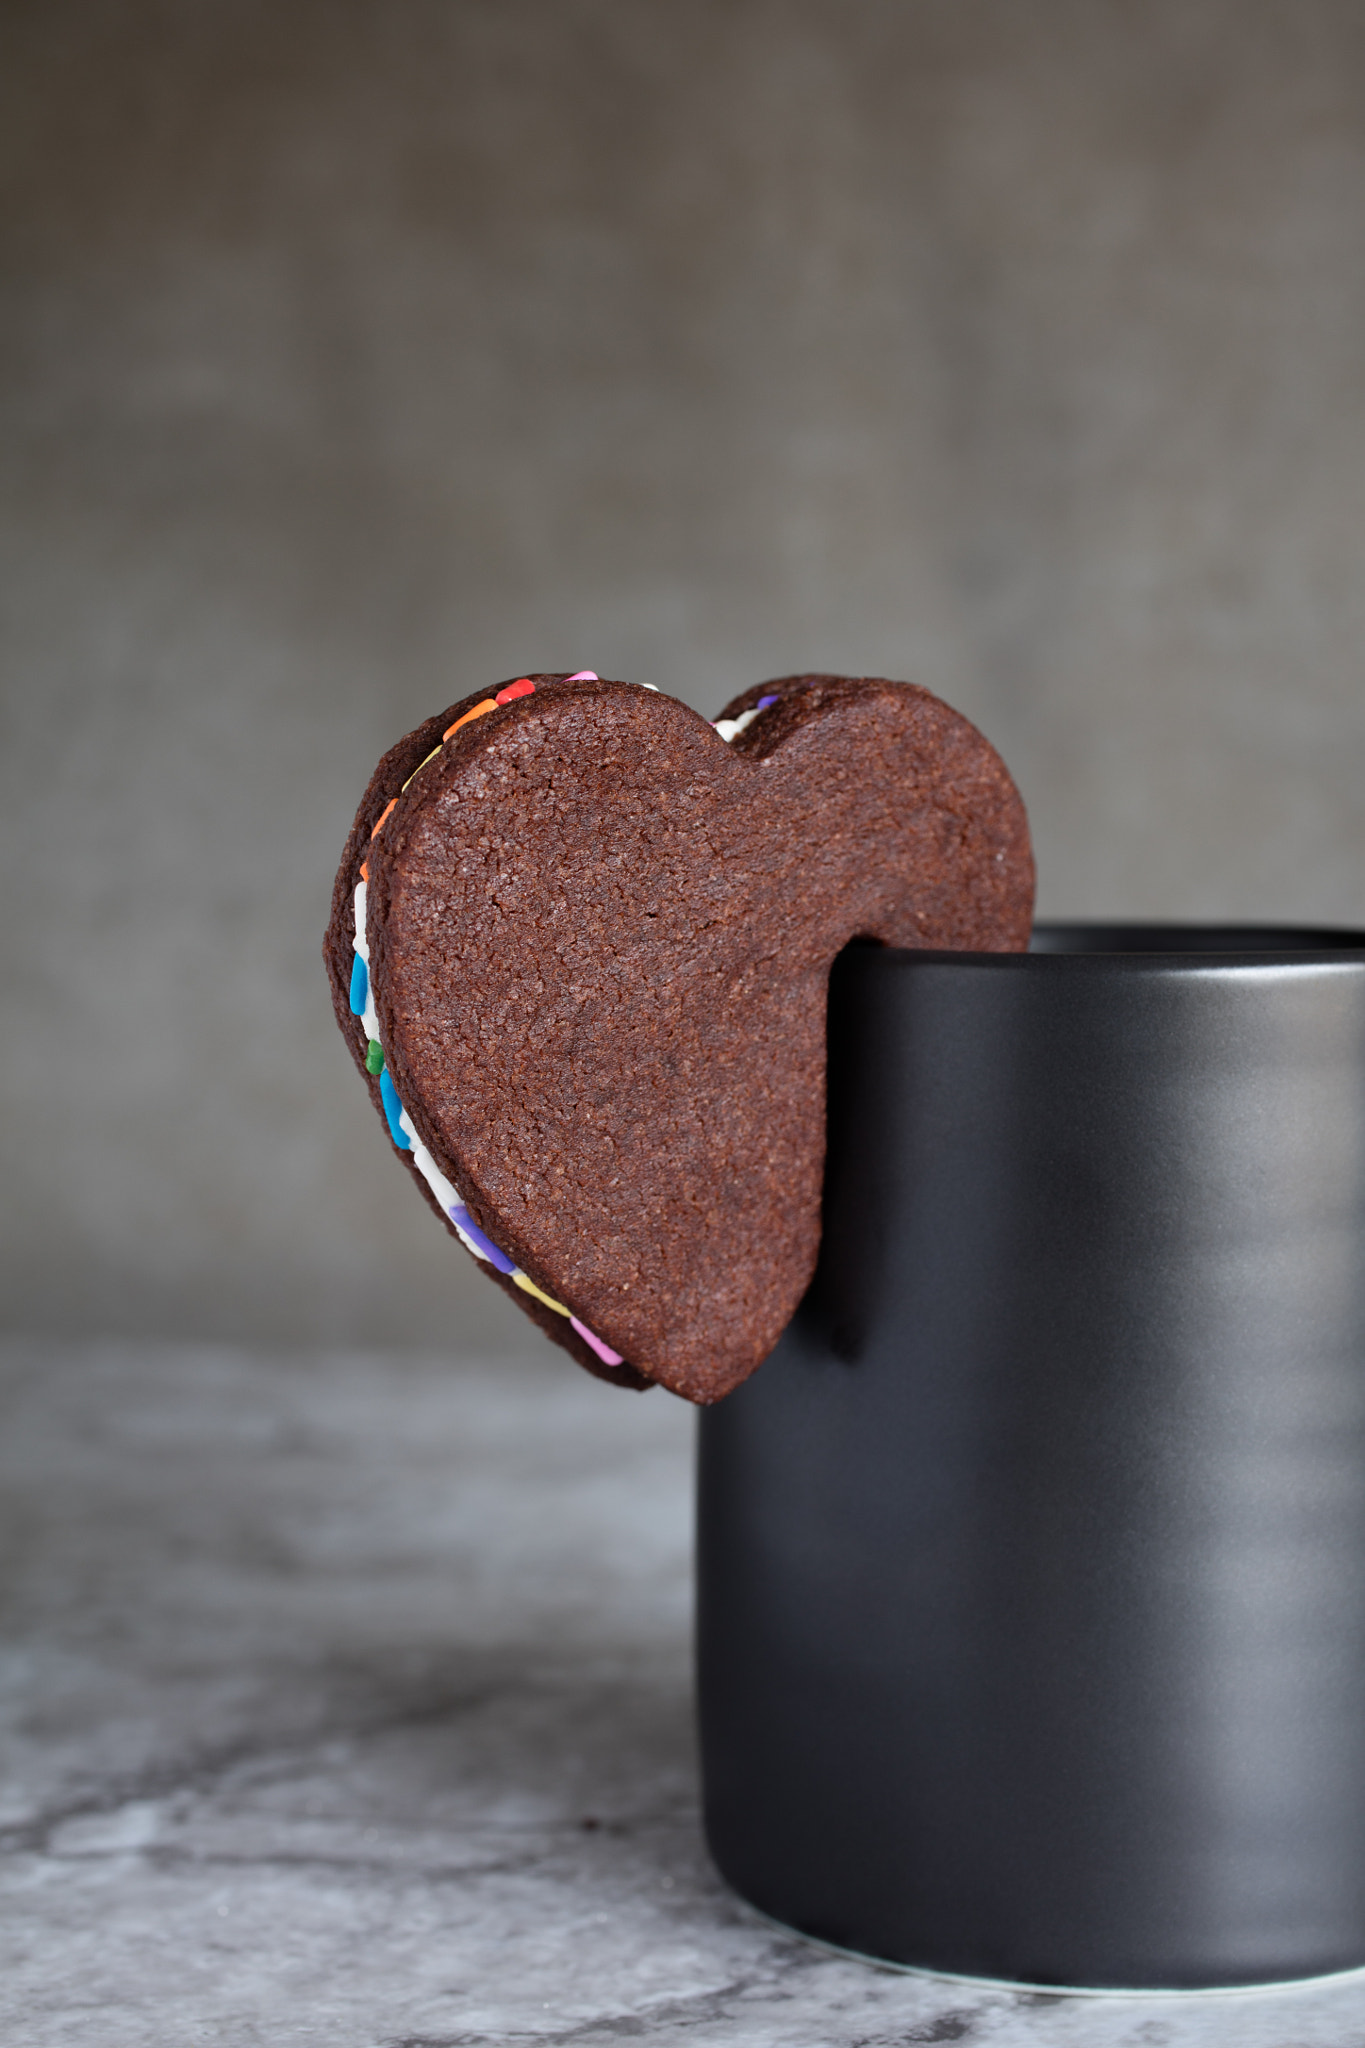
{"x":580,"y":943}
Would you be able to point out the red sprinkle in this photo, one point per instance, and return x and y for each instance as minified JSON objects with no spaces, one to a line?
{"x":524,"y":688}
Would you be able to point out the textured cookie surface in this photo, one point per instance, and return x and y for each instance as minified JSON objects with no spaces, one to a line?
{"x":599,"y":942}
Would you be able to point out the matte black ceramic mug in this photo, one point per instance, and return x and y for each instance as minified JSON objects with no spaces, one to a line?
{"x":1031,"y":1624}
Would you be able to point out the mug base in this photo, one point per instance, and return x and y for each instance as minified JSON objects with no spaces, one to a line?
{"x":1313,"y":1981}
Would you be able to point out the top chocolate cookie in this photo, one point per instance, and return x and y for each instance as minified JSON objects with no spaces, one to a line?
{"x":580,"y":942}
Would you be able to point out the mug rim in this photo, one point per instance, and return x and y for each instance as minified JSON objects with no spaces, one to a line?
{"x":1071,"y":945}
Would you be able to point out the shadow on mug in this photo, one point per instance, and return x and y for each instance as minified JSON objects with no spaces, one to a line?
{"x":1031,"y":1565}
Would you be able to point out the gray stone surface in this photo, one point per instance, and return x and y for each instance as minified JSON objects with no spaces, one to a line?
{"x":356,"y":352}
{"x":346,"y":1702}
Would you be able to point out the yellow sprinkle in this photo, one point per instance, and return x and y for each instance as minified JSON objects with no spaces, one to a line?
{"x":420,"y":766}
{"x":531,"y":1288}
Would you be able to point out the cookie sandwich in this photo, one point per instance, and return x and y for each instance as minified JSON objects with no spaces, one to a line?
{"x":579,"y":948}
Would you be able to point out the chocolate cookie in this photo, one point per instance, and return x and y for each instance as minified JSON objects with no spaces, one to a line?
{"x":580,"y":943}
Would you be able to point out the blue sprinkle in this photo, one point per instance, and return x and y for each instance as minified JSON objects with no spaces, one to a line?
{"x":485,"y":1244}
{"x":764,"y":702}
{"x":393,"y":1109}
{"x":360,"y":987}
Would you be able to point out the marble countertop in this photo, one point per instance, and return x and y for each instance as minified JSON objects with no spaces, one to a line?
{"x":345,"y":1700}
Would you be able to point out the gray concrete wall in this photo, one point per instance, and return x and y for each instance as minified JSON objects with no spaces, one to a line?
{"x":356,"y":352}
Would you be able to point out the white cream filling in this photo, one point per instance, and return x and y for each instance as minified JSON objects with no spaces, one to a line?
{"x":446,"y":1193}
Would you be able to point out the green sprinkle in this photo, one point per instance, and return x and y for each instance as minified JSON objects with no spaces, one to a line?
{"x":374,"y":1057}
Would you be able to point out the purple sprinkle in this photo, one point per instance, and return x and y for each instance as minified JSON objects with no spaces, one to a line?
{"x":764,"y":702}
{"x":485,"y":1244}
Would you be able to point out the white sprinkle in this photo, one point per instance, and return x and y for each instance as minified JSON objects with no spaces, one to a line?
{"x":369,"y":1018}
{"x":731,"y":728}
{"x":444,"y":1191}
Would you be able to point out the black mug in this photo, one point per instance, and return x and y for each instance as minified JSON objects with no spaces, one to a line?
{"x":1031,"y":1565}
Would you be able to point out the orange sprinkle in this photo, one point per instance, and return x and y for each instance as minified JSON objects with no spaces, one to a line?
{"x":488,"y":704}
{"x":364,"y":871}
{"x":384,"y":814}
{"x":525,"y":688}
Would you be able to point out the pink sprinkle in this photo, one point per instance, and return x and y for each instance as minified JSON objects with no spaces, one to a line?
{"x":604,"y":1351}
{"x":586,"y":675}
